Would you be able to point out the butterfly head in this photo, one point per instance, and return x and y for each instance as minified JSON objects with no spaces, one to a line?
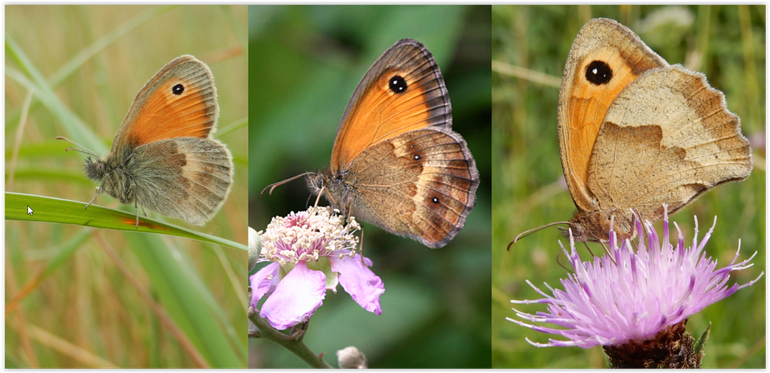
{"x":94,"y":168}
{"x":316,"y":182}
{"x":595,"y":226}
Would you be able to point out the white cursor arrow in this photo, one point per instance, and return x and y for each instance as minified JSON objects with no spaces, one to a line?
{"x":29,"y":210}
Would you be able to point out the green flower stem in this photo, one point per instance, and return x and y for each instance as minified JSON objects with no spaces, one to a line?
{"x":297,"y":347}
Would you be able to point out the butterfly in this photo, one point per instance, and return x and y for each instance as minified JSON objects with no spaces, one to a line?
{"x":396,"y":163}
{"x":163,"y":156}
{"x":637,"y":133}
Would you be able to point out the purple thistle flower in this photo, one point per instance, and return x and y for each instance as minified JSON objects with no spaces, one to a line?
{"x":632,"y":296}
{"x":312,"y":251}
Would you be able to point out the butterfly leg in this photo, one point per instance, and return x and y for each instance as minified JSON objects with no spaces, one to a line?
{"x":361,"y":245}
{"x":562,"y":265}
{"x":607,"y":250}
{"x":136,"y":204}
{"x":136,"y":209}
{"x":318,"y":198}
{"x":98,"y":191}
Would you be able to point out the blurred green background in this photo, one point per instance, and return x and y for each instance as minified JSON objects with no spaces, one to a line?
{"x":304,"y":64}
{"x":93,"y":297}
{"x":529,"y":49}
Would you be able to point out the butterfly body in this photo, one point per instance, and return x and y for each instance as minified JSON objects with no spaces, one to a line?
{"x":162,"y":157}
{"x":637,"y":133}
{"x":396,"y":163}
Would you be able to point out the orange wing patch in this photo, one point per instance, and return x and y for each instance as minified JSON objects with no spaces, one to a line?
{"x":589,"y":102}
{"x":179,"y":101}
{"x":179,"y":108}
{"x":403,"y":91}
{"x":603,"y":60}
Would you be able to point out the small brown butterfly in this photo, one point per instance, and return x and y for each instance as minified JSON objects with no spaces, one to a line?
{"x":163,"y":157}
{"x":396,"y":163}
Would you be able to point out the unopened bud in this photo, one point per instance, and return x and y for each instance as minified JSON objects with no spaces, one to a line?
{"x":351,"y":358}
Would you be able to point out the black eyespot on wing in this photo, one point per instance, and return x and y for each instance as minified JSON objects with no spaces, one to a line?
{"x":434,"y":200}
{"x":177,"y":89}
{"x":598,"y":72}
{"x":397,"y":84}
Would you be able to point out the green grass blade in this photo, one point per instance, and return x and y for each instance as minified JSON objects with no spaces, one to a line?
{"x":55,"y":210}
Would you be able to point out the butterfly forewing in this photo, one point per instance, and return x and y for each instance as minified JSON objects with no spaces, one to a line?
{"x":179,"y":101}
{"x":407,"y":71}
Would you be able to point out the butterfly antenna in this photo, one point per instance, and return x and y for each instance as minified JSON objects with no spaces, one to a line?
{"x":533,"y":230}
{"x":82,"y":149}
{"x":273,"y":185}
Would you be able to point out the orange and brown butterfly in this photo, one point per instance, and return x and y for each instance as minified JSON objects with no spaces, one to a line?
{"x":637,"y":133}
{"x":396,"y":163}
{"x":163,"y":157}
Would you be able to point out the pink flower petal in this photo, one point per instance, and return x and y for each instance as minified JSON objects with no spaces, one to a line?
{"x":295,"y":298}
{"x":359,"y":281}
{"x":642,"y":291}
{"x":263,"y":281}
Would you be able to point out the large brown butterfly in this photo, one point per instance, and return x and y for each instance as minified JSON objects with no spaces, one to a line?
{"x":637,"y":133}
{"x":396,"y":163}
